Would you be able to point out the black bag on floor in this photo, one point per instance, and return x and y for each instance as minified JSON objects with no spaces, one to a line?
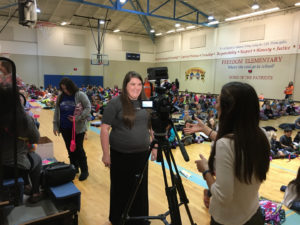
{"x":58,"y":173}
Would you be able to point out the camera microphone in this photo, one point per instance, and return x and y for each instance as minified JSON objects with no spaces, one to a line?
{"x":183,"y":151}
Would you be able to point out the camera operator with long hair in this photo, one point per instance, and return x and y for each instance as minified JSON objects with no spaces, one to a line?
{"x":126,"y":148}
{"x":239,"y":159}
{"x":6,"y":75}
{"x":28,"y":162}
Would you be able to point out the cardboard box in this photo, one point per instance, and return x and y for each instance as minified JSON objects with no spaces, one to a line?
{"x":45,"y":148}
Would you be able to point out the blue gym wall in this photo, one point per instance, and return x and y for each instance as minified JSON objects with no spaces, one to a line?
{"x":77,"y":79}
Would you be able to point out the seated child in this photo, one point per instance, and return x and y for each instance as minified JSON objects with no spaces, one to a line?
{"x":286,"y":141}
{"x":51,"y":102}
{"x":297,"y":123}
{"x":211,"y":123}
{"x":269,"y":112}
{"x":292,"y":194}
{"x":171,"y":136}
{"x":276,"y":112}
{"x":276,"y":151}
{"x":187,"y":139}
{"x":186,"y":116}
{"x":297,"y":138}
{"x":27,"y":108}
{"x":97,"y":109}
{"x":291,"y":110}
{"x":281,"y":108}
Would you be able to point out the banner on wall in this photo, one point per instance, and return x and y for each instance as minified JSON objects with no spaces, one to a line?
{"x":260,"y":48}
{"x":268,"y":74}
{"x":195,"y":72}
{"x":252,"y":68}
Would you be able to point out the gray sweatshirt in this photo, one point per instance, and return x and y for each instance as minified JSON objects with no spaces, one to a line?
{"x":26,"y":134}
{"x":81,"y":120}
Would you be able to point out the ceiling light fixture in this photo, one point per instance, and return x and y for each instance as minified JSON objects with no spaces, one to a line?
{"x":63,"y":23}
{"x":252,"y":14}
{"x":122,"y":1}
{"x":255,"y":6}
{"x":177,"y":25}
{"x":180,"y":29}
{"x":190,"y":27}
{"x":213,"y":23}
{"x":170,"y":31}
{"x":210,"y":18}
{"x":159,"y":34}
{"x":101,"y":21}
{"x":152,"y":31}
{"x":38,"y":10}
{"x":116,"y":30}
{"x":297,"y":4}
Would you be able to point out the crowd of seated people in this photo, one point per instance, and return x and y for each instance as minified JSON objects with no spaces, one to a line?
{"x":98,"y":96}
{"x":276,"y":109}
{"x":190,"y":105}
{"x":286,"y":146}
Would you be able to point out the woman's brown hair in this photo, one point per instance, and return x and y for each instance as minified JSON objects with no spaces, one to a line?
{"x":127,"y":106}
{"x":70,"y":86}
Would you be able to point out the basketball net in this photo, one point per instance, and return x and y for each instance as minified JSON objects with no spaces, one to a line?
{"x":44,"y":27}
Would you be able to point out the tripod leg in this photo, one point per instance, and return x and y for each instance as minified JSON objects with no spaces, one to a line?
{"x":173,"y":205}
{"x":125,"y":214}
{"x":181,"y":191}
{"x":171,"y":191}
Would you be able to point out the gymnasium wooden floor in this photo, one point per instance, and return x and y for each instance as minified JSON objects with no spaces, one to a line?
{"x":95,"y":190}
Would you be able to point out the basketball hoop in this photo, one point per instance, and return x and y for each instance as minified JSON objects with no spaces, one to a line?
{"x":40,"y":24}
{"x":99,"y":59}
{"x":44,"y":27}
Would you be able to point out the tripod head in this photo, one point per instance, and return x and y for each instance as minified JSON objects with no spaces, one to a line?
{"x":162,"y":109}
{"x":160,"y":137}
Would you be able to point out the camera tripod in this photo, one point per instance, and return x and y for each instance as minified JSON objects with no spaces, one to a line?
{"x":176,"y":185}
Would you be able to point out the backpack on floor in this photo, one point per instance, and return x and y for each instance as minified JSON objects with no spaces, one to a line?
{"x":57,"y":173}
{"x":272,"y":212}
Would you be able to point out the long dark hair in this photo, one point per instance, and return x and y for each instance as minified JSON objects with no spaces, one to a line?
{"x":239,"y":120}
{"x":127,"y":106}
{"x":7,"y":66}
{"x":70,"y":86}
{"x":296,"y":182}
{"x":8,"y":103}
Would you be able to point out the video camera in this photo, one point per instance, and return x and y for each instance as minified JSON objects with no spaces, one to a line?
{"x":162,"y":108}
{"x":161,"y":104}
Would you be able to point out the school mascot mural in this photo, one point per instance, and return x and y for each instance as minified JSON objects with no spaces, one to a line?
{"x":195,"y":72}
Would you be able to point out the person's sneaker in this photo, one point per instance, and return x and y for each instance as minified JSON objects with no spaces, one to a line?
{"x":27,"y":190}
{"x":35,"y":198}
{"x":83,"y":176}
